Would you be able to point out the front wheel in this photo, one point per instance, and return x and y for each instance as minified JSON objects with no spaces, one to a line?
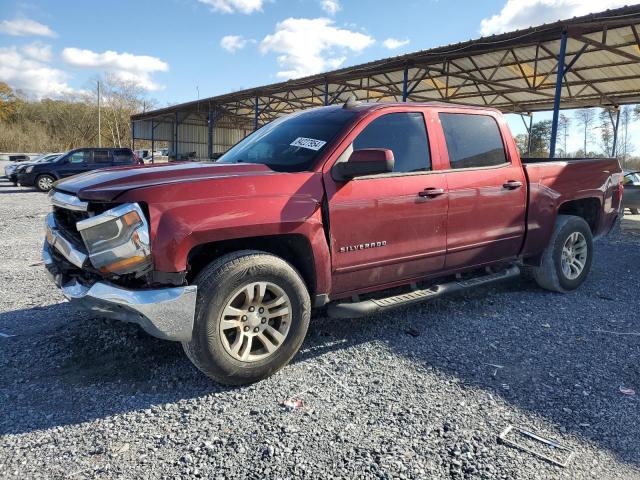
{"x":252,"y":314}
{"x":44,"y":182}
{"x":634,"y":211}
{"x":566,"y":261}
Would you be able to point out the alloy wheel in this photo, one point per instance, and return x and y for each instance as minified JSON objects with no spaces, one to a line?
{"x":574,"y":255}
{"x":255,"y":321}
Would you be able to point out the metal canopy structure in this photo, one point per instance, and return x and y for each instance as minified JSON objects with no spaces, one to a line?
{"x":582,"y":62}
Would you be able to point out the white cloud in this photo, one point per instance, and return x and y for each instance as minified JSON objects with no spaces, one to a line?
{"x":307,"y":46}
{"x":35,"y":78}
{"x":233,"y":43}
{"x":393,"y":43}
{"x":21,"y":27}
{"x":517,"y":14}
{"x":232,"y":6}
{"x":125,"y":66}
{"x":38,"y":51}
{"x":330,"y":6}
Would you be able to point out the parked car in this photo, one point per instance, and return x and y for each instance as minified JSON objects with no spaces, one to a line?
{"x":42,"y":175}
{"x":332,"y":206}
{"x":631,"y":196}
{"x":11,"y":170}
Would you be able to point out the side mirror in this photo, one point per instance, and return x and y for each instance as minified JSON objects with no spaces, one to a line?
{"x":367,"y":161}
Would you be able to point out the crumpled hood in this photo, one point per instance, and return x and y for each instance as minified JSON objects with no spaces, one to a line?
{"x":105,"y":185}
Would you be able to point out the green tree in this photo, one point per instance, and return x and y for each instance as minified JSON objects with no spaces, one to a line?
{"x":606,"y":131}
{"x":540,"y":138}
{"x":8,"y":101}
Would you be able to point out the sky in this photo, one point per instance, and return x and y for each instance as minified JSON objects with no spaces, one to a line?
{"x":180,"y":50}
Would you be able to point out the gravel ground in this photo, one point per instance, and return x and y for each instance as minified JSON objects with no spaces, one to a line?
{"x":419,"y":393}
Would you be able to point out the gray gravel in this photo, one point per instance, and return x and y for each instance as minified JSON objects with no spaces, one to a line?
{"x":410,"y":394}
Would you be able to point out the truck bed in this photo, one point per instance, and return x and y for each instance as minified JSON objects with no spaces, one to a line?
{"x":590,"y":185}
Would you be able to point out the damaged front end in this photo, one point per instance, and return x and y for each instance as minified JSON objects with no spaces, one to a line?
{"x":100,"y":256}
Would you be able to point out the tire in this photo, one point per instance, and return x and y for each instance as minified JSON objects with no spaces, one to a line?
{"x":223,"y":282}
{"x":634,"y":211}
{"x":550,"y":275}
{"x":44,"y":182}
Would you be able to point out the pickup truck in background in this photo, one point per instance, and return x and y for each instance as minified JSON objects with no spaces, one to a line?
{"x":360,"y":208}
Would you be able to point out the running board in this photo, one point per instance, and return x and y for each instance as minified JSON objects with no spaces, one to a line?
{"x":375,"y":305}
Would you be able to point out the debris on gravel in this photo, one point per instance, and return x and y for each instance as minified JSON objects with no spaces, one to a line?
{"x":421,"y":392}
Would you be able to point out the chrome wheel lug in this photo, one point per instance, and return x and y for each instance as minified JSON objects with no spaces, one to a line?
{"x":246,"y":329}
{"x":264,"y":320}
{"x":255,"y":330}
{"x":244,"y":318}
{"x":251,"y":309}
{"x":261,"y":310}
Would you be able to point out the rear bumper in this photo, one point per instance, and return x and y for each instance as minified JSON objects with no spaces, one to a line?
{"x":166,"y":313}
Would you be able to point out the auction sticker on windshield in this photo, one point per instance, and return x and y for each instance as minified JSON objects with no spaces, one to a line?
{"x":310,"y":143}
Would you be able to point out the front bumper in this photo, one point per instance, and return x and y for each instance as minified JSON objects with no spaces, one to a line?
{"x":26,"y":179}
{"x":166,"y":313}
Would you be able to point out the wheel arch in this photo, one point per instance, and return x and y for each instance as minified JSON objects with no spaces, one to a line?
{"x":294,"y":248}
{"x":588,"y":208}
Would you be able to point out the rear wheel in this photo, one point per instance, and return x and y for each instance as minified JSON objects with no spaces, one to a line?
{"x":252,"y":315}
{"x":635,"y":211}
{"x":44,"y":182}
{"x":566,"y":261}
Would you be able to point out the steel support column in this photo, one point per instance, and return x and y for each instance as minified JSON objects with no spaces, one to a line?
{"x":210,"y":135}
{"x":558,"y":94}
{"x":176,"y":137}
{"x":615,"y":133}
{"x":405,"y":79}
{"x":529,"y":136}
{"x":326,"y":92}
{"x":153,"y":141}
{"x":133,"y":135}
{"x":256,"y":115}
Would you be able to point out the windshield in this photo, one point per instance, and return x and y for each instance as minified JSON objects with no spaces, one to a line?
{"x":291,"y":143}
{"x":47,"y":158}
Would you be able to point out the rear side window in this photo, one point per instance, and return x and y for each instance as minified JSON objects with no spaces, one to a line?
{"x":101,"y":157}
{"x":404,"y":134}
{"x":122,"y":155}
{"x":472,"y":140}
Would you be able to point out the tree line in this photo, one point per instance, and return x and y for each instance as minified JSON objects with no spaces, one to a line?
{"x":49,"y":125}
{"x":596,"y":127}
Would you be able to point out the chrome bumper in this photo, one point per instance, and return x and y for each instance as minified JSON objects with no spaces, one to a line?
{"x":166,"y":313}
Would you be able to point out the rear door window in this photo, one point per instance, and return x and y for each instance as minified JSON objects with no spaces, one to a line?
{"x":122,"y":156}
{"x":404,"y":134}
{"x":101,"y":157}
{"x":472,"y":140}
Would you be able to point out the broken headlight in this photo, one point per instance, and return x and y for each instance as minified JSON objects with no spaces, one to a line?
{"x":117,"y":240}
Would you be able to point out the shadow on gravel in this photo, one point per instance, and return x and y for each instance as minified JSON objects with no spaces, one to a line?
{"x":536,"y":350}
{"x":542,"y":352}
{"x":9,"y":188}
{"x":71,"y":369}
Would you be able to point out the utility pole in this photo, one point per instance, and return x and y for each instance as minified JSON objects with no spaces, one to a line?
{"x":99,"y":136}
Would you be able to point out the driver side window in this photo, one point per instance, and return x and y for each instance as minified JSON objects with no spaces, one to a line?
{"x":403,"y":133}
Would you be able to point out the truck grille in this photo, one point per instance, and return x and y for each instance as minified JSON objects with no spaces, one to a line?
{"x":66,"y":223}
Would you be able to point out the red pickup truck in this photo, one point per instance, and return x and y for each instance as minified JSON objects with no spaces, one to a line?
{"x":333,"y":206}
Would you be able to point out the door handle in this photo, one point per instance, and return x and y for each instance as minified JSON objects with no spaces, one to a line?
{"x":431,"y":192}
{"x":512,"y":185}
